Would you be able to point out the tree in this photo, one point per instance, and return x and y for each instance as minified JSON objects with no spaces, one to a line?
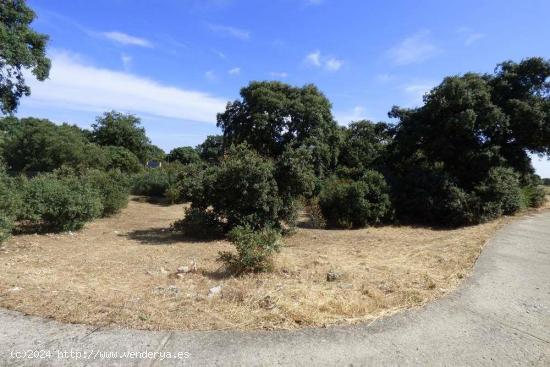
{"x":121,"y":130}
{"x":274,"y":115}
{"x":184,"y":155}
{"x":364,"y":143}
{"x":469,"y":126}
{"x":211,"y":150}
{"x":20,"y":48}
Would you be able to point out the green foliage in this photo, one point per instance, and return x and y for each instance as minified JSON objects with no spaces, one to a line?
{"x":274,"y":115}
{"x":34,"y":145}
{"x":364,"y":143}
{"x":113,"y":187}
{"x":546,"y":181}
{"x":156,"y":181}
{"x":498,"y":194}
{"x":313,"y":209}
{"x":355,"y":204}
{"x":184,"y":155}
{"x":21,"y":48}
{"x":60,"y":203}
{"x":10,"y":203}
{"x":120,"y":130}
{"x":211,"y":150}
{"x":199,"y":224}
{"x":255,"y":249}
{"x":119,"y":158}
{"x":242,"y":190}
{"x":189,"y":183}
{"x":532,"y":196}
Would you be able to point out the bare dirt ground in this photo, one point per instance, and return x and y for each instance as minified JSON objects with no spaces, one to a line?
{"x":120,"y":271}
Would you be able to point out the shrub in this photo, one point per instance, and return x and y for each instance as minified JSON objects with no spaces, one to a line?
{"x":119,"y":158}
{"x":184,"y":155}
{"x":353,"y":204}
{"x":60,"y":203}
{"x":532,"y":196}
{"x":499,"y":193}
{"x":156,"y":181}
{"x":189,"y":183}
{"x":199,"y":224}
{"x":242,"y":190}
{"x":9,"y":205}
{"x":113,"y":187}
{"x":255,"y":249}
{"x":316,"y":218}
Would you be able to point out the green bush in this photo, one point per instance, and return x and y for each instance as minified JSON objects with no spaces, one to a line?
{"x":9,"y":204}
{"x":60,"y":203}
{"x":242,"y":190}
{"x":189,"y":183}
{"x":354,"y":204}
{"x":156,"y":181}
{"x":119,"y":158}
{"x":255,"y":249}
{"x":113,"y":187}
{"x":200,"y":224}
{"x":532,"y":196}
{"x":499,"y":193}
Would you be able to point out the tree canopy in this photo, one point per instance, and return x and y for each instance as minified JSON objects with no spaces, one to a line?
{"x":121,"y":130}
{"x":20,"y":48}
{"x":273,"y":115}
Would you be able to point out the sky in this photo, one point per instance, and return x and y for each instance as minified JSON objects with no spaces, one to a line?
{"x":176,"y":63}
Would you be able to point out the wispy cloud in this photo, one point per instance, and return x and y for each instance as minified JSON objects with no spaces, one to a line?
{"x":329,"y":63}
{"x":345,"y":117}
{"x":126,"y":39}
{"x":126,"y":61}
{"x":220,"y":54}
{"x":230,"y":31}
{"x":210,"y":75}
{"x":77,"y":86}
{"x":278,"y":74}
{"x":313,"y":58}
{"x":414,"y":49}
{"x":470,"y":35}
{"x":234,"y":71}
{"x":415,"y":92}
{"x":333,"y":64}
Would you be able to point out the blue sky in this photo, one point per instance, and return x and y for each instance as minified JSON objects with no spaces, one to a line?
{"x":175,"y":63}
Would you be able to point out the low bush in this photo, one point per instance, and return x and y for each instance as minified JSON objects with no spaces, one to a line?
{"x":316,"y":218}
{"x":60,"y":203}
{"x":113,"y":187}
{"x":242,"y":190}
{"x":355,"y":204}
{"x":499,"y":193}
{"x":532,"y":196}
{"x":156,"y":181}
{"x":255,"y":249}
{"x":200,"y":224}
{"x":9,"y":205}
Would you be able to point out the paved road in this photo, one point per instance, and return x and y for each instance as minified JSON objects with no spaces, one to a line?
{"x":499,"y":317}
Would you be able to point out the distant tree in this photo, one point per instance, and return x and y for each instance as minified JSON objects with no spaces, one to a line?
{"x":36,"y":145}
{"x":184,"y":155}
{"x":274,"y":115}
{"x":121,"y":130}
{"x":211,"y":150}
{"x":20,"y":48}
{"x":363,"y":145}
{"x":153,"y":152}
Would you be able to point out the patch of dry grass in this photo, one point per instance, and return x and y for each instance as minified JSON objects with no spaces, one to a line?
{"x":120,"y":271}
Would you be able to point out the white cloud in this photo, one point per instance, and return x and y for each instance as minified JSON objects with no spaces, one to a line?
{"x":278,"y":74}
{"x":234,"y":71}
{"x":470,"y":35}
{"x":357,"y":113}
{"x":317,"y":60}
{"x":230,"y":31}
{"x":414,"y":49}
{"x":415,"y":93}
{"x":333,"y":64}
{"x":313,"y":58}
{"x":76,"y":86}
{"x":210,"y":75}
{"x":126,"y":39}
{"x":126,"y":61}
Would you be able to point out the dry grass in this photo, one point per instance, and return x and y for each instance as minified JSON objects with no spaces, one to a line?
{"x":119,"y":271}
